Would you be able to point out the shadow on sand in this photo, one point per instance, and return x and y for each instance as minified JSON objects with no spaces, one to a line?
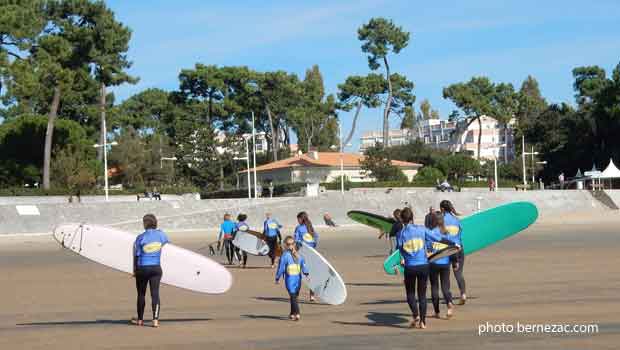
{"x":381,"y":319}
{"x":374,"y":284}
{"x":124,"y":322}
{"x":266,"y":317}
{"x":287,"y":300}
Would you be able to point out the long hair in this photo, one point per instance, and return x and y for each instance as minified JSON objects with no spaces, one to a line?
{"x":241,"y":217}
{"x":446,"y":206}
{"x":303,"y":217}
{"x":406,"y":215}
{"x":438,"y":221}
{"x":293,"y":249}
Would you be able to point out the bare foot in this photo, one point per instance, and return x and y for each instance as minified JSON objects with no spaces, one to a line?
{"x":312,"y":298}
{"x":435,"y":315}
{"x":155,"y":323}
{"x":422,"y":325}
{"x":293,"y":317}
{"x":297,"y":317}
{"x":450,"y":311}
{"x":136,"y":322}
{"x":463,"y":299}
{"x":414,"y":323}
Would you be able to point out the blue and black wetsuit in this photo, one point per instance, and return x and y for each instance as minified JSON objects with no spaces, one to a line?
{"x":147,"y":268}
{"x":242,"y":226}
{"x":439,"y":270}
{"x":453,"y":226}
{"x":271,"y":230}
{"x":227,"y":229}
{"x":292,"y":268}
{"x":302,"y":235}
{"x":412,"y":245}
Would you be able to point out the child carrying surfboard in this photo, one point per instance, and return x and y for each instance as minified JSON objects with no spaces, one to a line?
{"x":453,"y":226}
{"x":271,"y":230}
{"x":291,"y":266}
{"x":242,"y":226}
{"x":304,"y":232}
{"x":440,"y":268}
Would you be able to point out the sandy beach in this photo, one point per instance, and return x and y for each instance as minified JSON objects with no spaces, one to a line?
{"x":559,"y":271}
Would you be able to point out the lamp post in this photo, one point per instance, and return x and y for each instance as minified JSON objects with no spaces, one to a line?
{"x":254,"y":155}
{"x":246,"y":138}
{"x":532,"y":153}
{"x":105,"y":163}
{"x":495,"y":168}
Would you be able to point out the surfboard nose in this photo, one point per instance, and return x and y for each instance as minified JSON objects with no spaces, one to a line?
{"x":59,"y":234}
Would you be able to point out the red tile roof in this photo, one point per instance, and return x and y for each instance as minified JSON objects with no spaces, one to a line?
{"x":325,"y":159}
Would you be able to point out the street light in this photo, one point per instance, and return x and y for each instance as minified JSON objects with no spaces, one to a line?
{"x":105,"y":162}
{"x":246,"y":138}
{"x":333,"y":147}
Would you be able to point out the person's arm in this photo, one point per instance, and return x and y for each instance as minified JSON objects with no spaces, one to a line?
{"x":281,"y":268}
{"x":436,"y":237}
{"x":304,"y":267}
{"x":136,"y":254}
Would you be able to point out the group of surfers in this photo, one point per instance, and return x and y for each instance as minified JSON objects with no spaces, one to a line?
{"x":415,"y":243}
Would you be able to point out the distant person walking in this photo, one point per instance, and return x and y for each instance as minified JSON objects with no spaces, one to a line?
{"x":453,"y":227}
{"x":561,"y":179}
{"x":428,"y":219}
{"x":271,"y":230}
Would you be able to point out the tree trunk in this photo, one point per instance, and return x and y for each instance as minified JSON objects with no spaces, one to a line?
{"x":221,"y":177}
{"x":103,"y":131}
{"x":388,"y":105}
{"x":49,"y":133}
{"x":357,"y":113}
{"x":479,"y":136}
{"x":274,"y":134}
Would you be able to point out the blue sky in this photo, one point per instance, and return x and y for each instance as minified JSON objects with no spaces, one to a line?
{"x":451,"y":41}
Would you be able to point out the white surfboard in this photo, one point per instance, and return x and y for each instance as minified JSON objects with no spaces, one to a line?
{"x":323,"y":279}
{"x":181,"y":268}
{"x":250,"y":243}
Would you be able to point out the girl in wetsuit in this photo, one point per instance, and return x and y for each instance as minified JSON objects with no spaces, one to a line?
{"x":304,"y":232}
{"x":291,"y":266}
{"x":453,"y":227}
{"x":271,"y":230}
{"x":147,"y":267}
{"x":242,"y":226}
{"x":439,"y":269}
{"x":227,"y":229}
{"x":412,"y":245}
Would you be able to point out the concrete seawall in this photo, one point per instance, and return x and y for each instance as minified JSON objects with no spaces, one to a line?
{"x":188,"y":214}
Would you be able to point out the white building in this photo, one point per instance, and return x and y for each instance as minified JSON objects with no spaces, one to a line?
{"x":440,"y":133}
{"x":322,"y":167}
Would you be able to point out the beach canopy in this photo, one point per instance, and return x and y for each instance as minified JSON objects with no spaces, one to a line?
{"x":611,"y":172}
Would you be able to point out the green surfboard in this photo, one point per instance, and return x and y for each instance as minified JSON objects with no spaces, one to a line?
{"x":481,"y":229}
{"x":379,"y":222}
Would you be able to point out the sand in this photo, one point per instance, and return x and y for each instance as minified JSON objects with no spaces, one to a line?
{"x":561,"y":271}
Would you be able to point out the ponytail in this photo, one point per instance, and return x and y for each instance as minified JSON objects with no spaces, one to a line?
{"x":303,"y":217}
{"x":438,"y":221}
{"x":447,"y":207}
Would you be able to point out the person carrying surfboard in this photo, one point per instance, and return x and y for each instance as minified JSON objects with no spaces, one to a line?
{"x":271,"y":230}
{"x":304,"y":232}
{"x":440,"y":268}
{"x":291,"y":266}
{"x":394,"y":231}
{"x":453,"y":226}
{"x":412,"y":245}
{"x":227,"y":229}
{"x":147,"y":267}
{"x":242,"y":226}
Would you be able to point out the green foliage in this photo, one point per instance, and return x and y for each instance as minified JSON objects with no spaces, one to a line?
{"x":409,"y":119}
{"x":381,"y":36}
{"x":145,"y":111}
{"x":429,"y":175}
{"x":21,"y":145}
{"x":379,"y":166}
{"x":75,"y":168}
{"x":417,"y":152}
{"x":458,"y":165}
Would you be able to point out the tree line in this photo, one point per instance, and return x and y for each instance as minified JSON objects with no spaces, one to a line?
{"x":59,"y":59}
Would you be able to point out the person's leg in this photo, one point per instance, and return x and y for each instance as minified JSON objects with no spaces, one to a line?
{"x":422,"y":280}
{"x":434,"y":277}
{"x":141,"y":283}
{"x":271,"y":242}
{"x":458,"y":275}
{"x":410,"y":291}
{"x":444,"y":276}
{"x":154,"y":281}
{"x":245,"y":258}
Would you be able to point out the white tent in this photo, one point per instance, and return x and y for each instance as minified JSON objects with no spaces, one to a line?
{"x":611,"y":172}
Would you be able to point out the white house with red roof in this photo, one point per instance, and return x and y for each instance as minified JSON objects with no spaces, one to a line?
{"x":322,"y":167}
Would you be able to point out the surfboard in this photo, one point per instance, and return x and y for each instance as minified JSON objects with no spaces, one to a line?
{"x":113,"y":248}
{"x":250,"y":243}
{"x":442,"y":253}
{"x":379,"y":222}
{"x":485,"y":228}
{"x":323,"y":279}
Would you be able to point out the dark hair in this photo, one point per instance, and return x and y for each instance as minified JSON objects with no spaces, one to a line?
{"x":406,"y":215}
{"x":241,"y":217}
{"x":446,"y":206}
{"x":303,"y":216}
{"x":149,"y":221}
{"x":294,"y":250}
{"x":438,"y":221}
{"x":396,"y":214}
